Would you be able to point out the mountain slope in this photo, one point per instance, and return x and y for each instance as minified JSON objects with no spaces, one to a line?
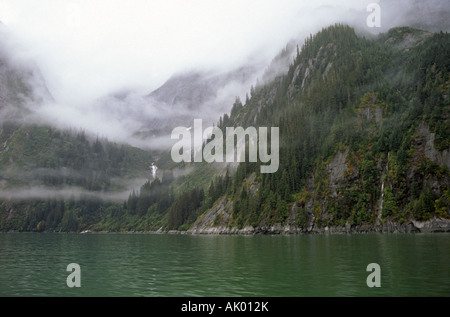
{"x":47,"y":173}
{"x":181,"y":99}
{"x":364,"y":138}
{"x":364,"y":146}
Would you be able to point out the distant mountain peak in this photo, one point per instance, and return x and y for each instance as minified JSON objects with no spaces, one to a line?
{"x":194,"y":88}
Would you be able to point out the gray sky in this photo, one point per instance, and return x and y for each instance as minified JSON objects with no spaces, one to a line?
{"x":96,"y":46}
{"x":87,"y":49}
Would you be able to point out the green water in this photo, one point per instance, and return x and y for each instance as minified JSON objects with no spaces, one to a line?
{"x":33,"y":264}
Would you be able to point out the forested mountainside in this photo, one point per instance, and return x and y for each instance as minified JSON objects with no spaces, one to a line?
{"x":50,"y":178}
{"x":364,"y":145}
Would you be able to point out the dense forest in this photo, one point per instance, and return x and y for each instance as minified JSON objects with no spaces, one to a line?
{"x":37,"y":158}
{"x":72,"y":157}
{"x":364,"y":139}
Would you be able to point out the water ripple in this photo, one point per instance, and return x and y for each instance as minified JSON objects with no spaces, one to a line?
{"x":184,"y":265}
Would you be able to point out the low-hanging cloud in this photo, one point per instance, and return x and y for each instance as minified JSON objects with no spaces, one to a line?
{"x":72,"y":192}
{"x":93,"y":65}
{"x":88,"y":51}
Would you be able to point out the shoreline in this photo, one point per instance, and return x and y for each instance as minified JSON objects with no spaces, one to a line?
{"x":435,"y":225}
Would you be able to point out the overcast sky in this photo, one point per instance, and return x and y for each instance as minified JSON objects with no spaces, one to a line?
{"x":89,"y":48}
{"x":100,"y":45}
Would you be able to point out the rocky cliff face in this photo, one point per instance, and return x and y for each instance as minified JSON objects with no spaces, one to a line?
{"x":337,"y":170}
{"x":425,"y":144}
{"x":219,"y":219}
{"x":374,"y":183}
{"x":208,"y":224}
{"x":216,"y":220}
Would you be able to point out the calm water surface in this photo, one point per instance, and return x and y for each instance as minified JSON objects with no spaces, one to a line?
{"x":34,"y":264}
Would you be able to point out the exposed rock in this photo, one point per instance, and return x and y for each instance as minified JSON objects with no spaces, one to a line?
{"x":307,"y":72}
{"x":439,"y":157}
{"x":291,"y":219}
{"x":327,"y":69}
{"x":433,"y":225}
{"x":336,"y":171}
{"x":253,"y":185}
{"x":311,"y":218}
{"x":405,"y":39}
{"x":215,"y":220}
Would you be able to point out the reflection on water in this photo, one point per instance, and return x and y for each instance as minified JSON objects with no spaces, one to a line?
{"x":33,"y":264}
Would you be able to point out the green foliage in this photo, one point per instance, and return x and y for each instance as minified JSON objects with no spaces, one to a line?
{"x":49,"y":157}
{"x":319,"y":113}
{"x":183,"y":209}
{"x":423,"y":207}
{"x":342,"y":93}
{"x":390,"y":207}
